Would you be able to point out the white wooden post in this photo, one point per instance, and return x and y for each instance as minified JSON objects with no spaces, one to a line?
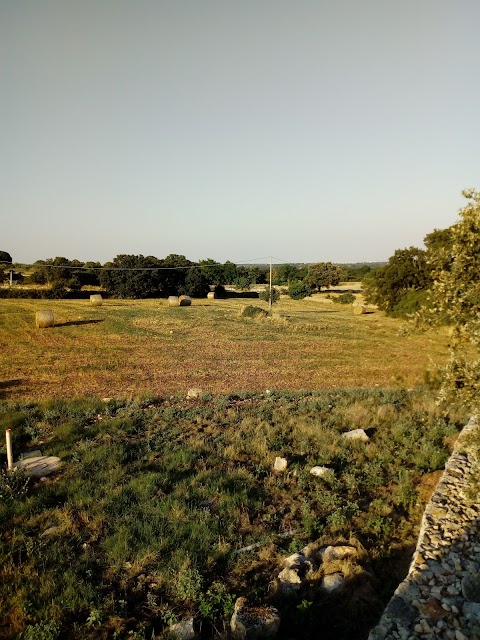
{"x":8,"y":438}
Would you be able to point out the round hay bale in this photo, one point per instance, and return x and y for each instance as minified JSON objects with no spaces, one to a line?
{"x":173,"y":301}
{"x":96,"y":300}
{"x":185,"y":301}
{"x":211,"y":295}
{"x":359,"y":309}
{"x":44,"y":319}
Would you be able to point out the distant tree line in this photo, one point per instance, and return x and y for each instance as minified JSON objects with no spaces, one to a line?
{"x":138,"y":276}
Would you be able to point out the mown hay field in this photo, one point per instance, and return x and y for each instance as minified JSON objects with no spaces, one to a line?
{"x":129,"y":347}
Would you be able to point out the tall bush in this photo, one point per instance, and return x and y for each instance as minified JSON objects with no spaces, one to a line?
{"x":455,"y":299}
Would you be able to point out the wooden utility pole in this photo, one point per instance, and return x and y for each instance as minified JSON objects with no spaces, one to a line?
{"x":270,"y":291}
{"x":8,"y":439}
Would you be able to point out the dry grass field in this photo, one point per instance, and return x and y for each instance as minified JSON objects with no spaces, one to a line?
{"x":129,"y":348}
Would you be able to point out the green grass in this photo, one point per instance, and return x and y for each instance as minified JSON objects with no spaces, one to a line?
{"x":126,"y":348}
{"x":155,"y":498}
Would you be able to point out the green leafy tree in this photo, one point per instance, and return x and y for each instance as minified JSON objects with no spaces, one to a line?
{"x":196,"y":284}
{"x":213,"y":271}
{"x":322,"y":275}
{"x":174,"y":273}
{"x":242,"y":281}
{"x":5,"y":257}
{"x":89,"y":275}
{"x":455,"y":299}
{"x":406,"y":271}
{"x":355,"y":273}
{"x":54,"y":271}
{"x":297,"y":290}
{"x":229,"y":272}
{"x":286,"y":273}
{"x":132,"y":276}
{"x":5,"y":264}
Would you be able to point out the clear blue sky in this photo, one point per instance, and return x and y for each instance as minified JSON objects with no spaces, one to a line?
{"x":309,"y":130}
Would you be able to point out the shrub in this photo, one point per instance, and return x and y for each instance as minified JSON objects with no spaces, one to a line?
{"x":265,"y":295}
{"x":410,"y":303}
{"x":297,"y":290}
{"x":345,"y":298}
{"x":253,"y":312}
{"x":220,"y":291}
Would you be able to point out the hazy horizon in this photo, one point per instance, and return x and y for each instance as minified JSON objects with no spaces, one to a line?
{"x":312,"y":131}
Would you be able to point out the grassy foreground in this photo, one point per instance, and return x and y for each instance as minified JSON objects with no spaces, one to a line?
{"x":144,"y":523}
{"x":126,"y":348}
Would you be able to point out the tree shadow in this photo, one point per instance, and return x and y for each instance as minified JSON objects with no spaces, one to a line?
{"x":72,"y":323}
{"x":5,"y":385}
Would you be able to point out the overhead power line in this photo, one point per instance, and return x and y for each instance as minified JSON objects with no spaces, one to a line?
{"x":108,"y":268}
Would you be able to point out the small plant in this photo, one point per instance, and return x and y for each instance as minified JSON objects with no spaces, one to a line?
{"x":94,"y":617}
{"x":42,"y":631}
{"x":188,"y":583}
{"x":216,"y":603}
{"x":13,"y":485}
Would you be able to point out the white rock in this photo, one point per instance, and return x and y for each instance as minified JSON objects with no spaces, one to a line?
{"x":295,"y":558}
{"x":322,"y":472}
{"x":280,"y":464}
{"x":289,"y":580}
{"x":194,"y":393}
{"x":356,"y":434}
{"x":249,"y":623}
{"x":342,"y":552}
{"x":333,"y":582}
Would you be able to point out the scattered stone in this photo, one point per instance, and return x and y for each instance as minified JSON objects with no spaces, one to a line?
{"x":38,"y":466}
{"x":194,"y":393}
{"x":471,"y":587}
{"x":322,"y":472}
{"x":340,"y":552}
{"x":299,"y":560}
{"x":333,"y":582}
{"x":471,"y":611}
{"x":290,"y":580}
{"x":183,"y":630}
{"x":356,"y":434}
{"x":294,"y":574}
{"x":253,"y":622}
{"x":106,"y":399}
{"x":51,"y":531}
{"x":433,"y":610}
{"x":280,"y":464}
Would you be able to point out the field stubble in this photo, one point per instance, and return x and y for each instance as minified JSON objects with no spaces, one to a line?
{"x":126,"y":348}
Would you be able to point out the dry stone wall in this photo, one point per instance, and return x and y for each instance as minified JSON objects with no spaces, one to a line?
{"x":440,"y":597}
